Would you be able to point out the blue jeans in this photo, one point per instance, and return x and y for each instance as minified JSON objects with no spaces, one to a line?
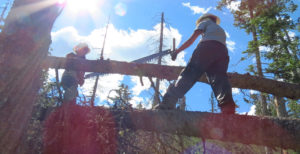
{"x":211,"y":58}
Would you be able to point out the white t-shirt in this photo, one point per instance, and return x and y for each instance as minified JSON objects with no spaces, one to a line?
{"x":211,"y":31}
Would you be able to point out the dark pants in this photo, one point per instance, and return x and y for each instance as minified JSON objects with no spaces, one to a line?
{"x":211,"y":58}
{"x":69,"y":84}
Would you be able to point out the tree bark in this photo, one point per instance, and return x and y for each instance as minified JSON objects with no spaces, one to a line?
{"x":263,"y":98}
{"x":243,"y":81}
{"x":267,"y":131}
{"x":281,"y":112}
{"x":24,"y":44}
{"x":161,"y":39}
{"x":280,"y":107}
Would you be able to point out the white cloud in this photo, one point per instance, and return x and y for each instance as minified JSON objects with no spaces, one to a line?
{"x":105,"y":84}
{"x":136,"y":101}
{"x":253,"y":92}
{"x":121,"y":9}
{"x":230,"y":45}
{"x":138,"y":88}
{"x":68,"y":33}
{"x":52,"y":75}
{"x":291,"y":34}
{"x":227,"y":34}
{"x":235,"y":90}
{"x":254,"y":60}
{"x":252,"y":110}
{"x":264,"y":48}
{"x":122,"y":45}
{"x":166,"y":60}
{"x":234,"y":5}
{"x":196,"y":9}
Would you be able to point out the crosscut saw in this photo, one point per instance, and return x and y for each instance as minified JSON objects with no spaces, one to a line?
{"x":139,"y":61}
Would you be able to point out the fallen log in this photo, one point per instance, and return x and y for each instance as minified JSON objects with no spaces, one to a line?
{"x":243,"y":81}
{"x":266,"y":131}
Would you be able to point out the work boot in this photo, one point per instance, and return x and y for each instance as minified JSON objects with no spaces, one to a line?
{"x":168,"y":103}
{"x":228,"y":108}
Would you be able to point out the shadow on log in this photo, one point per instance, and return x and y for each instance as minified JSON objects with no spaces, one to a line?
{"x":267,"y":131}
{"x":76,"y":123}
{"x":243,"y":81}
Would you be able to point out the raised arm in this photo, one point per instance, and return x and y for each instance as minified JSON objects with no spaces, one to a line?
{"x":190,"y":41}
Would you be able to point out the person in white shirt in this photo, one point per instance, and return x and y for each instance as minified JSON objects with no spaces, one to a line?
{"x":209,"y":57}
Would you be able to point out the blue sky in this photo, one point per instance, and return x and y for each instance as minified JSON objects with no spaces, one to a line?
{"x":134,"y":32}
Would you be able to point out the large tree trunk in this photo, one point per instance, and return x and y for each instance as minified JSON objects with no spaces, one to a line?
{"x":243,"y":81}
{"x":280,"y":107}
{"x":281,"y":112}
{"x":24,"y":44}
{"x":263,"y":99}
{"x":268,"y":131}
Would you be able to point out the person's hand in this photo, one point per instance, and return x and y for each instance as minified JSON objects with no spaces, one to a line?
{"x":174,"y":55}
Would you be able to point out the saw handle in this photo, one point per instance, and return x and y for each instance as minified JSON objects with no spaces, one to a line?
{"x":174,"y":53}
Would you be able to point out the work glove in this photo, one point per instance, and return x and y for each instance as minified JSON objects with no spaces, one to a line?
{"x":174,"y":55}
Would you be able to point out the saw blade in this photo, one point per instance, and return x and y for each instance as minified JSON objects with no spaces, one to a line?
{"x":139,"y":61}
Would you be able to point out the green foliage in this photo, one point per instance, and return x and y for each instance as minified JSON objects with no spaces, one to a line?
{"x":122,"y":98}
{"x":270,"y":24}
{"x":294,"y":108}
{"x":273,"y":26}
{"x":46,"y":102}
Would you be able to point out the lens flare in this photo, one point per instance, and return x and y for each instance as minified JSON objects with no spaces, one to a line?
{"x":82,"y":5}
{"x":61,"y":1}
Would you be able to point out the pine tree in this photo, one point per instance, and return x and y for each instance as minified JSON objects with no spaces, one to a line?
{"x":122,"y":98}
{"x":243,"y":18}
{"x":274,"y":24}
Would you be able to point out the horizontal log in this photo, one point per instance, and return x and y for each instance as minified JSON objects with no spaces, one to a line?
{"x":266,"y":131}
{"x":243,"y":81}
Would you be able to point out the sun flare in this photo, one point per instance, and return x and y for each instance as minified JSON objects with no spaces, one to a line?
{"x":82,"y":5}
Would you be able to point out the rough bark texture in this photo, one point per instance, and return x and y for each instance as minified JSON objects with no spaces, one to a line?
{"x":243,"y":81}
{"x":280,"y":107}
{"x":24,"y":44}
{"x":267,"y":131}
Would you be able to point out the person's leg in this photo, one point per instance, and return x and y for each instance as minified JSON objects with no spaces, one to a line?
{"x":218,"y":79}
{"x":184,"y":83}
{"x":70,"y":94}
{"x":197,"y":65}
{"x":69,"y":84}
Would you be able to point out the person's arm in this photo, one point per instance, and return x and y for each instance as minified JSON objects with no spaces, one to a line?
{"x":187,"y":43}
{"x":190,"y":41}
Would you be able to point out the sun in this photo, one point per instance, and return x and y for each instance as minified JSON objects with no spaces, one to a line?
{"x":82,"y":5}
